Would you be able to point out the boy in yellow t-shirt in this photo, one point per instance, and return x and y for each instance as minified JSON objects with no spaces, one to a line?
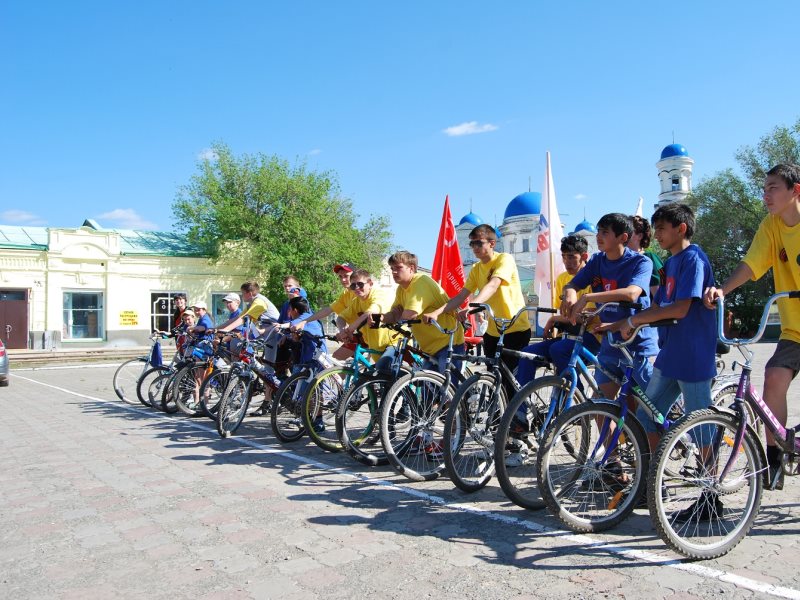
{"x":417,"y":295}
{"x":368,"y":300}
{"x":494,"y":280}
{"x":776,"y":246}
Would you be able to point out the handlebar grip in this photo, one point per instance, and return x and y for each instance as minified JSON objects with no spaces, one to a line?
{"x":413,"y":321}
{"x":545,"y":309}
{"x":634,"y":305}
{"x":794,"y":294}
{"x":476,"y":310}
{"x":664,"y":323}
{"x":475,"y":304}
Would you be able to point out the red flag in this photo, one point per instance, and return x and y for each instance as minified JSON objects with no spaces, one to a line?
{"x":447,"y":268}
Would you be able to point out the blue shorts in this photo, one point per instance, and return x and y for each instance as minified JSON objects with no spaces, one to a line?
{"x":611,"y":358}
{"x":664,"y":391}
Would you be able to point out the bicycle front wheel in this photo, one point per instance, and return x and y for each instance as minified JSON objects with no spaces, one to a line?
{"x":412,"y":424}
{"x":187,"y":388}
{"x":211,"y":392}
{"x":469,"y":431}
{"x":233,"y":405}
{"x":126,"y":378}
{"x":695,"y":511}
{"x":358,"y":421}
{"x":286,"y":416}
{"x":517,"y":438}
{"x":323,"y":397}
{"x":147,"y":378}
{"x":592,"y":466}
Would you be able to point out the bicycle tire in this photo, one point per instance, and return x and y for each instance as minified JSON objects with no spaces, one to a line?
{"x":233,"y":405}
{"x":412,"y":424}
{"x":144,"y":384}
{"x":724,"y":397}
{"x":126,"y":378}
{"x":323,"y":396}
{"x":286,"y":418}
{"x":520,"y":482}
{"x":358,"y":421}
{"x":211,"y":392}
{"x":168,"y":404}
{"x":678,"y":502}
{"x":155,"y":390}
{"x":186,"y":388}
{"x":582,"y":494}
{"x":469,"y":430}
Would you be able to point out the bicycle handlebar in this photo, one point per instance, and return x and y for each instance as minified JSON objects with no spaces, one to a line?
{"x":762,"y":326}
{"x":503,"y":323}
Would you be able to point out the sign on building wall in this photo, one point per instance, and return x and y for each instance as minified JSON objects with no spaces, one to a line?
{"x":128,"y":318}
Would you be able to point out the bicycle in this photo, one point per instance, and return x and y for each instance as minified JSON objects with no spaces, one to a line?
{"x":412,"y":417}
{"x":128,"y":374}
{"x":710,"y":489}
{"x":358,"y":415}
{"x":476,"y":411}
{"x":594,"y":457}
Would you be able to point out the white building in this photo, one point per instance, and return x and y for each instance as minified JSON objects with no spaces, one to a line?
{"x":674,"y":174}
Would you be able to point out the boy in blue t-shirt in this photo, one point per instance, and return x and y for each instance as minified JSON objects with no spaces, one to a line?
{"x":299,"y":310}
{"x":615,"y":274}
{"x":686,"y":363}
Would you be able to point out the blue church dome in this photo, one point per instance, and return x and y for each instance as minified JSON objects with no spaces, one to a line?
{"x":585,"y":226}
{"x":471,"y":218}
{"x":674,"y":150}
{"x":529,"y":203}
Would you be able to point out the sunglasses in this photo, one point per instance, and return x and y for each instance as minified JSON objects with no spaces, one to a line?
{"x":357,"y":284}
{"x":477,"y":243}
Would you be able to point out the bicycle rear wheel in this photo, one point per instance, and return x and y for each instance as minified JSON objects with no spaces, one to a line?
{"x":145,"y":381}
{"x":469,"y":429}
{"x":518,"y":434}
{"x":694,"y":512}
{"x":412,"y":424}
{"x":168,"y":404}
{"x":358,"y":421}
{"x":323,"y":396}
{"x":126,"y":378}
{"x":187,"y":388}
{"x":584,"y":487}
{"x":286,"y":411}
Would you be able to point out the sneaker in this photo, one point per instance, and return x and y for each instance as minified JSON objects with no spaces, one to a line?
{"x":775,"y":477}
{"x":318,"y":424}
{"x":707,"y":507}
{"x":516,"y":459}
{"x":434,"y":451}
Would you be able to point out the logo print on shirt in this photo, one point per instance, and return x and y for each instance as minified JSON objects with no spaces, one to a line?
{"x":670,"y":288}
{"x":609,"y":284}
{"x":783,"y":256}
{"x":596,"y":282}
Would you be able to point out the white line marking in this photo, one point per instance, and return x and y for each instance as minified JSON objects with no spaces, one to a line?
{"x":585,"y":540}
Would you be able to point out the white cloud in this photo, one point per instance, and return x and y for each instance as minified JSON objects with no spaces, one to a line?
{"x":314,"y":152}
{"x":581,"y":197}
{"x":469,"y":128}
{"x":125,"y":218}
{"x":21,"y":217}
{"x":208,"y":154}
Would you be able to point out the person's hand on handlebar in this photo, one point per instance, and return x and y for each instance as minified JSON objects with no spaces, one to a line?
{"x":622,"y":326}
{"x":433,"y":315}
{"x":711,"y":295}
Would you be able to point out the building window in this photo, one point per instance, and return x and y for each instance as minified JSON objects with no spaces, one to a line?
{"x":526,"y":245}
{"x":162,"y":306}
{"x":511,"y":247}
{"x":676,"y":183}
{"x":83,"y":315}
{"x":219,"y":310}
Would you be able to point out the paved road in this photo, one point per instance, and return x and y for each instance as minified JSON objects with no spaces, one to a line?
{"x":104,"y":500}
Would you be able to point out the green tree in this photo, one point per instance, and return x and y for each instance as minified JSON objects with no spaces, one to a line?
{"x":729,"y":210}
{"x":279,"y":219}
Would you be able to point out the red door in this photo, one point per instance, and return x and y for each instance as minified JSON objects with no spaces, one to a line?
{"x":14,"y":318}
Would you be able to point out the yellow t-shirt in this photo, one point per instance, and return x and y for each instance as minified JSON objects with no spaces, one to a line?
{"x":421,"y":296}
{"x":378,"y":301}
{"x":561,"y":282}
{"x":777,"y":245}
{"x":340,"y":305}
{"x":259,"y":305}
{"x":508,"y":298}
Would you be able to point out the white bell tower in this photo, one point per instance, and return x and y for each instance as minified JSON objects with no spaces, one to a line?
{"x":674,"y":174}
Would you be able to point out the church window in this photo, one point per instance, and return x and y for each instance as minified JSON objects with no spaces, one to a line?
{"x":526,"y":245}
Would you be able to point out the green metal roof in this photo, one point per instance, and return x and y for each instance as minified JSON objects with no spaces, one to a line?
{"x":132,"y":242}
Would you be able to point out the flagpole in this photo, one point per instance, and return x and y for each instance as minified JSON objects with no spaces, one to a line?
{"x":550,"y":233}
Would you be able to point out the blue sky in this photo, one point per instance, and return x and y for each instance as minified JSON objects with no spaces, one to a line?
{"x":107,"y":106}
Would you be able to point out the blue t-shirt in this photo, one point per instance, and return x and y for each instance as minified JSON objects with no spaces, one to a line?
{"x":605,"y":275}
{"x":283,"y":317}
{"x":208,"y":323}
{"x":309,"y":345}
{"x":688,"y":348}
